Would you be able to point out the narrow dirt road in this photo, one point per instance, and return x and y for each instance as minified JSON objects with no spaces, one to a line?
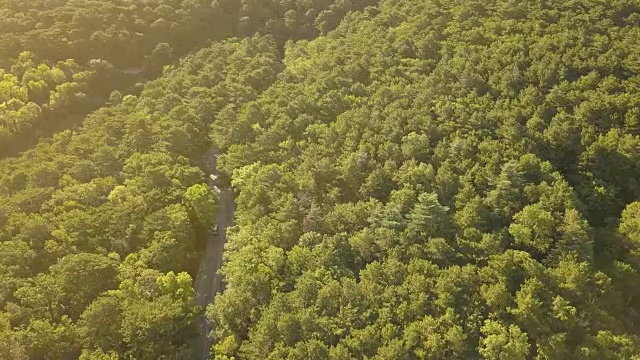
{"x":209,"y":282}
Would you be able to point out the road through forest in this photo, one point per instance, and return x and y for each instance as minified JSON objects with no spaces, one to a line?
{"x":208,"y":281}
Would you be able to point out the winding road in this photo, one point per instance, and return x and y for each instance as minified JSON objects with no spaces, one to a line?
{"x":209,"y":282}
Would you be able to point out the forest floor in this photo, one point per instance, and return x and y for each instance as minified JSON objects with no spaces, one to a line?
{"x":209,"y":281}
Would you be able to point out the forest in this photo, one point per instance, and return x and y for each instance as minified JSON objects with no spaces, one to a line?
{"x":413,"y":179}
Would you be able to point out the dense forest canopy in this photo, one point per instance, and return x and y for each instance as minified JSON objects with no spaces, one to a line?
{"x":36,"y":99}
{"x":414,"y":179}
{"x":121,"y":42}
{"x":126,"y":31}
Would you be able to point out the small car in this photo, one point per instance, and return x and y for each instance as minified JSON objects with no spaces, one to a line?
{"x":215,"y":230}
